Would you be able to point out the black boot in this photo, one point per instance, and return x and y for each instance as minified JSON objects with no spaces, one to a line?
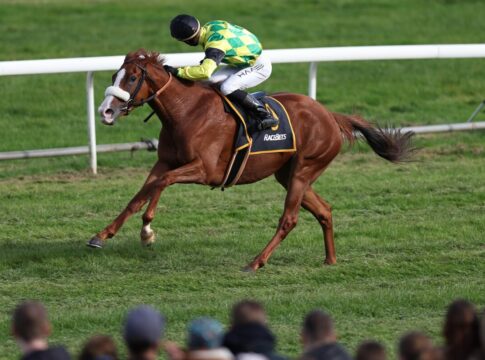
{"x":249,"y":102}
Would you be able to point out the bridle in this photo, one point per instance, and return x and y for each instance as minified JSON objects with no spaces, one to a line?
{"x":130,"y":102}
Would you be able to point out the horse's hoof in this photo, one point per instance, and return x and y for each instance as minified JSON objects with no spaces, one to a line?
{"x":95,"y":243}
{"x":248,"y":269}
{"x":330,"y":261}
{"x":147,"y":237}
{"x":253,"y":266}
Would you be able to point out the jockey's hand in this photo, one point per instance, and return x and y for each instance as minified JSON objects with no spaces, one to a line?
{"x":171,"y":70}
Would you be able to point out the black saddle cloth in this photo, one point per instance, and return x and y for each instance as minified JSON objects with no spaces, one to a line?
{"x":251,"y":141}
{"x":279,"y":138}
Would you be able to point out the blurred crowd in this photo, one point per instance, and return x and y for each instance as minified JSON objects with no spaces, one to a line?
{"x":247,"y":338}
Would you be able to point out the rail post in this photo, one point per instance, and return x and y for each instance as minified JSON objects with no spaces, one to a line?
{"x":91,"y":122}
{"x":312,"y":80}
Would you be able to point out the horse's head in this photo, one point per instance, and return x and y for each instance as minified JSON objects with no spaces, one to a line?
{"x":130,"y":86}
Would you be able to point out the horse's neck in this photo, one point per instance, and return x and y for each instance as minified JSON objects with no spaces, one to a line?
{"x":176,"y":102}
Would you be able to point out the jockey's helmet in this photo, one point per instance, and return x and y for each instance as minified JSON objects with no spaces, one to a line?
{"x":185,"y":28}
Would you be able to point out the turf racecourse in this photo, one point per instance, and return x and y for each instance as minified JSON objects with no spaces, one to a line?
{"x":409,"y":238}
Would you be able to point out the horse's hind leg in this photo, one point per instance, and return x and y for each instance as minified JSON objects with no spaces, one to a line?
{"x":322,"y":211}
{"x":296,"y":189}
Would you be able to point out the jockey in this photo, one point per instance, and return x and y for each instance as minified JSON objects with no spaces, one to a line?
{"x":234,"y":46}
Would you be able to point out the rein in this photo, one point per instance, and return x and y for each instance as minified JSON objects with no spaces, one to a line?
{"x":158,"y":92}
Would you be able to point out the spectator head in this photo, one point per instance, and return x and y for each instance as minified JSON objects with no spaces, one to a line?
{"x":143,"y":330}
{"x":461,"y":329}
{"x":415,"y":346}
{"x":248,"y":311}
{"x":371,"y":350}
{"x":205,"y":334}
{"x":99,"y":347}
{"x":30,"y":323}
{"x":250,"y":338}
{"x":317,"y":328}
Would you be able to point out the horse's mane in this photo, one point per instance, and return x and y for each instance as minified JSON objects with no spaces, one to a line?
{"x":145,"y":57}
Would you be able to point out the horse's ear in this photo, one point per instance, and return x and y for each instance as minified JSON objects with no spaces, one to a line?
{"x":135,"y":55}
{"x":161,"y":59}
{"x":132,"y":55}
{"x":128,"y":57}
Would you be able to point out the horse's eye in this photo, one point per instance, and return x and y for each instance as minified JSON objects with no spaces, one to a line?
{"x":132,"y":77}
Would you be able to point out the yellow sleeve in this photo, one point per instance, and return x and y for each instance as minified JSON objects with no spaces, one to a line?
{"x":199,"y":72}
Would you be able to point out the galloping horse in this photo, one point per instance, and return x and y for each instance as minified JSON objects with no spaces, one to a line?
{"x":196,"y":145}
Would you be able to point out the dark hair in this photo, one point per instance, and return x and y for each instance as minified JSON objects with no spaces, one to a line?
{"x":414,"y":345}
{"x":371,"y":350}
{"x":250,"y":338}
{"x":461,"y":329}
{"x":247,"y":311}
{"x":318,"y":325}
{"x":99,"y":346}
{"x":30,"y":322}
{"x":140,"y":347}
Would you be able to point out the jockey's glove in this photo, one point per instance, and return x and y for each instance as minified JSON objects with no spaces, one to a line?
{"x":171,"y":70}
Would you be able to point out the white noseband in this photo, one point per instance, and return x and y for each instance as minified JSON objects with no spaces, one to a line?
{"x":117,"y":92}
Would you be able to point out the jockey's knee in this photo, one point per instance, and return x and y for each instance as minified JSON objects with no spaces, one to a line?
{"x":229,"y":87}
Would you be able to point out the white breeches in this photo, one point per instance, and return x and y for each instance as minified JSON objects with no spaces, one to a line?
{"x":232,"y":78}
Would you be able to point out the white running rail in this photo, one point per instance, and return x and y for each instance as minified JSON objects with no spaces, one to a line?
{"x":307,"y":55}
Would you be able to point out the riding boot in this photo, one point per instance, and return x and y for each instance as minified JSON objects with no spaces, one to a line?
{"x":251,"y":104}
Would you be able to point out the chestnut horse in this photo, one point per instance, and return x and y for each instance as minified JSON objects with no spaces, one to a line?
{"x":196,"y":145}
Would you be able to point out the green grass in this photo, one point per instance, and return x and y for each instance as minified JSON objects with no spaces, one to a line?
{"x":409,"y":238}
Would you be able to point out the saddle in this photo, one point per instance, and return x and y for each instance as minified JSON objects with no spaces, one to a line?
{"x":250,"y":141}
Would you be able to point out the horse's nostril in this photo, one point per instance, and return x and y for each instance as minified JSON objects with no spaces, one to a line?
{"x":109,"y":112}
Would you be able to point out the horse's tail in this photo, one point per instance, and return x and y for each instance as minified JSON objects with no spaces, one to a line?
{"x":391,"y":144}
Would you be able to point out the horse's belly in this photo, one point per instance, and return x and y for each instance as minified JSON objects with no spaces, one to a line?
{"x":261,"y":166}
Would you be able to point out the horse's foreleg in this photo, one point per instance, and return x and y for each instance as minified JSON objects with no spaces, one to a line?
{"x":288,"y":221}
{"x":190,"y":173}
{"x":133,"y":206}
{"x":322,"y":211}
